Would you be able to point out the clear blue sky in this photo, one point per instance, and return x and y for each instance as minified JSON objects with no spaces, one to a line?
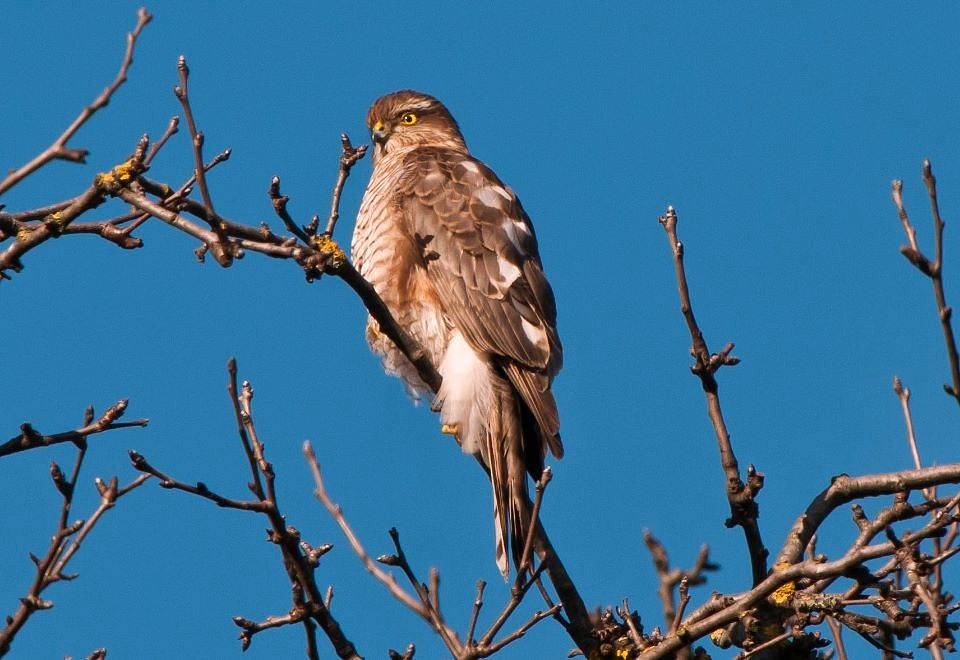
{"x":774,"y":130}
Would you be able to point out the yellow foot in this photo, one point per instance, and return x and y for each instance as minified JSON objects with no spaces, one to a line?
{"x":449,"y":429}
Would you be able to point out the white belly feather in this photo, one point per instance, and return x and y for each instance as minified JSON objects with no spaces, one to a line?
{"x":385,"y":257}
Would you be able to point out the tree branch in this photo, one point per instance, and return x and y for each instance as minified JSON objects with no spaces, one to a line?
{"x":59,"y":149}
{"x":741,"y":497}
{"x":300,"y":559}
{"x":30,"y":438}
{"x":66,"y":540}
{"x":932,"y":269}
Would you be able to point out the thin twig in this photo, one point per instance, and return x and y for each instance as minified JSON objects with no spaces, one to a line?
{"x":65,"y":542}
{"x":172,"y":128}
{"x":837,"y":632}
{"x":299,"y":558}
{"x":419,"y":605}
{"x":932,"y":269}
{"x":220,"y":248}
{"x":59,"y":149}
{"x":903,"y":394}
{"x":770,"y":643}
{"x":741,"y":497}
{"x":349,"y":155}
{"x":30,"y":438}
{"x":475,"y":613}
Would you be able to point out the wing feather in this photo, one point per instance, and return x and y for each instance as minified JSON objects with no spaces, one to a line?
{"x":483,"y":260}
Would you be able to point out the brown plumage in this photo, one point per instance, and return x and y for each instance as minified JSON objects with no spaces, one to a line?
{"x":454,"y":256}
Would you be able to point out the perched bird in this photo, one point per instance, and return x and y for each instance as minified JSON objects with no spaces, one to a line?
{"x":451,"y":252}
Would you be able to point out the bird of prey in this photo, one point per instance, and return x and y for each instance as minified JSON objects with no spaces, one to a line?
{"x":452,"y":253}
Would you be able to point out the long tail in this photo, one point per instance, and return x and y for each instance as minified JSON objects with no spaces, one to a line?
{"x":508,"y":474}
{"x":482,"y":408}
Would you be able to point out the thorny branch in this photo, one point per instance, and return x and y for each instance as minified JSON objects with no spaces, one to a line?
{"x":69,"y":536}
{"x":741,"y":496}
{"x":300,"y":559}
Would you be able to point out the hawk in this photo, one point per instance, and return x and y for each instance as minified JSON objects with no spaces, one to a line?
{"x":453,"y":255}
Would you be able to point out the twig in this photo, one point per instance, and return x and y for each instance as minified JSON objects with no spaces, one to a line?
{"x":196,"y":137}
{"x":349,"y":156}
{"x":629,"y":618}
{"x":221,"y":247}
{"x":200,"y":489}
{"x":256,"y":485}
{"x":30,"y":438}
{"x":59,"y":150}
{"x":837,"y":632}
{"x":932,"y":269}
{"x":770,"y":643}
{"x":845,"y":489}
{"x":414,"y":604}
{"x":534,"y":619}
{"x":172,"y":128}
{"x":66,"y":540}
{"x":109,"y":183}
{"x":684,"y":591}
{"x":280,"y":208}
{"x":430,"y":607}
{"x":426,"y":604}
{"x":475,"y":613}
{"x":299,"y":558}
{"x":903,"y":394}
{"x":741,"y":497}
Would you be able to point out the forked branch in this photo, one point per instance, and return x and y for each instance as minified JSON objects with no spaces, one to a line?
{"x":310,"y":608}
{"x":931,"y":268}
{"x":740,"y":496}
{"x":68,"y":537}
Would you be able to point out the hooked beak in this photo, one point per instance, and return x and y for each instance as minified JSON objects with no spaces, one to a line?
{"x":379,"y":132}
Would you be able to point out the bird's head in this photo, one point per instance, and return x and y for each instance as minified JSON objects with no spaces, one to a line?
{"x":408,"y":119}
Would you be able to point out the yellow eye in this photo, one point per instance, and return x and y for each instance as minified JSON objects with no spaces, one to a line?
{"x":408,"y":119}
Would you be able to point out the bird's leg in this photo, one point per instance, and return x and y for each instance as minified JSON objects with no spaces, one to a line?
{"x":451,"y":429}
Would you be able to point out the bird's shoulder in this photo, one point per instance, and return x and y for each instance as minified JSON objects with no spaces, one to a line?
{"x":463,"y":195}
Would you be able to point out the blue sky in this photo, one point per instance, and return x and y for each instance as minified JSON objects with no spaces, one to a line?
{"x":774,"y":130}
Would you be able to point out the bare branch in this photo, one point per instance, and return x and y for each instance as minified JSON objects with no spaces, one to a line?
{"x":741,"y":497}
{"x":932,"y":269}
{"x":59,"y":149}
{"x":30,"y":438}
{"x":221,"y":248}
{"x":845,"y":489}
{"x":105,"y":184}
{"x":65,"y":542}
{"x":416,"y":605}
{"x":300,"y":560}
{"x":348,"y":158}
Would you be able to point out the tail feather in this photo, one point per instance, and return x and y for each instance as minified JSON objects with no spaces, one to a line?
{"x":493,"y":420}
{"x":508,"y":473}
